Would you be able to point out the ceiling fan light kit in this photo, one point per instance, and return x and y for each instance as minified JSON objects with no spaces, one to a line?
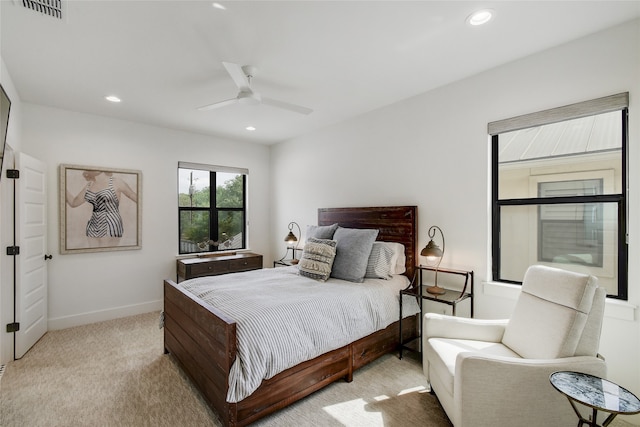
{"x":241,"y":76}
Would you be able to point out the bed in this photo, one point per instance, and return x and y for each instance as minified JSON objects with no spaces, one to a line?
{"x":203,"y":339}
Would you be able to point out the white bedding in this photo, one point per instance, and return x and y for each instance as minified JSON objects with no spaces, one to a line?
{"x":284,"y":319}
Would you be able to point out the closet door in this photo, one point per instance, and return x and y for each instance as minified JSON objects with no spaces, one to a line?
{"x":31,"y":270}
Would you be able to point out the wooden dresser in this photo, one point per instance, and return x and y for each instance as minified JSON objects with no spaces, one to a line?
{"x":188,"y":268}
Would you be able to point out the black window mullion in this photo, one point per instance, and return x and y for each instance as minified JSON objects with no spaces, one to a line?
{"x":213,"y":208}
{"x":623,"y":247}
{"x":244,"y":210}
{"x":600,"y":198}
{"x":495,"y":233}
{"x":623,"y":255}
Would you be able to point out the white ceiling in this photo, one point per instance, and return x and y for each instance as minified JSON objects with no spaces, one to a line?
{"x":340,"y":58}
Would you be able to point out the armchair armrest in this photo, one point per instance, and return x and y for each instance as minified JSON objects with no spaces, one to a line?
{"x":490,"y":388}
{"x":444,"y":326}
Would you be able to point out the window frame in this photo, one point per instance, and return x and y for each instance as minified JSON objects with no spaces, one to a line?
{"x":619,"y":102}
{"x":213,"y":210}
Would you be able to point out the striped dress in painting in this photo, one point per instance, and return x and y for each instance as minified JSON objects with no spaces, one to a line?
{"x":105,"y":219}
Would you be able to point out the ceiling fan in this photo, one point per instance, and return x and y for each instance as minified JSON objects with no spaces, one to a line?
{"x":242,"y":76}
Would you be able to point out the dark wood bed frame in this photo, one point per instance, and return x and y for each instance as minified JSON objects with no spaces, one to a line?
{"x":203,"y":340}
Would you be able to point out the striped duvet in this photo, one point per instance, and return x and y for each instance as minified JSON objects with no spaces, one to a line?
{"x":283,"y":319}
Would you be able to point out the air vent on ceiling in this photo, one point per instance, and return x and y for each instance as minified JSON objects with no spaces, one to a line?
{"x":51,"y":8}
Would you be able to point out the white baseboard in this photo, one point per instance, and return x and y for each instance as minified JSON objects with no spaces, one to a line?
{"x":65,"y":322}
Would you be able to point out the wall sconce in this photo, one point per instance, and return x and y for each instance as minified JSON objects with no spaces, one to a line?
{"x":434,"y":255}
{"x":292,"y":241}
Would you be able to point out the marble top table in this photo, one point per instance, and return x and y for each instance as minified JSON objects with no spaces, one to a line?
{"x":596,"y":393}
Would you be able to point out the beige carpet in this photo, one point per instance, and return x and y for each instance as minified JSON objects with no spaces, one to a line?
{"x":115,"y":374}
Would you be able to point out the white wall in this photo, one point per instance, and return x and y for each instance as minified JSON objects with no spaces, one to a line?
{"x":89,"y":287}
{"x":433,"y":151}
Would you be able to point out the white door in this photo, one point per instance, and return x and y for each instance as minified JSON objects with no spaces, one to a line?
{"x":31,"y":271}
{"x":7,"y":296}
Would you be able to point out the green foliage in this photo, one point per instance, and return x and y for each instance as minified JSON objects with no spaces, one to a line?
{"x":200,"y":199}
{"x":229,"y":195}
{"x":229,"y":224}
{"x":195,"y":225}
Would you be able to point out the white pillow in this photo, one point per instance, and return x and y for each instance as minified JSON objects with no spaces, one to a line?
{"x":398,"y":259}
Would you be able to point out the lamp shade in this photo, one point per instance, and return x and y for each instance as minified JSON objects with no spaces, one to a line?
{"x":291,"y":238}
{"x":432,"y":250}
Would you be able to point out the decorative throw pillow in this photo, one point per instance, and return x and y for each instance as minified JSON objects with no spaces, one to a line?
{"x":352,"y":253}
{"x":317,"y":258}
{"x":379,"y":264}
{"x":321,"y":231}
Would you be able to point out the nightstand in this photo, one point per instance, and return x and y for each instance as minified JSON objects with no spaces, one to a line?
{"x":213,"y":265}
{"x":283,"y":263}
{"x":451,"y":297}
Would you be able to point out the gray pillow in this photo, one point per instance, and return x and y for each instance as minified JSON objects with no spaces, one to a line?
{"x":321,"y":231}
{"x":352,"y":253}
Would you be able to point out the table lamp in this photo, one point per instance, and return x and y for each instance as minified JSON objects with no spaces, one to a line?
{"x":434,"y":255}
{"x":292,"y":241}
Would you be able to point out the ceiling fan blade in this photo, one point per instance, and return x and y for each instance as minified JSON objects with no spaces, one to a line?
{"x":218,"y":104}
{"x":287,"y":106}
{"x":238,"y":75}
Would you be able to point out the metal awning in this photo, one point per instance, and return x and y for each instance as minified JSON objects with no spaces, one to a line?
{"x":586,"y":135}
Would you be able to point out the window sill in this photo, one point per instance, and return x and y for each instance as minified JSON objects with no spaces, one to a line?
{"x":614,"y":308}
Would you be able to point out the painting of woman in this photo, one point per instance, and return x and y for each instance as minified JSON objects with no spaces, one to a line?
{"x":101,"y":209}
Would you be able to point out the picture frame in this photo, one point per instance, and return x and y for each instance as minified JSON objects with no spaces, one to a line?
{"x":100,"y":209}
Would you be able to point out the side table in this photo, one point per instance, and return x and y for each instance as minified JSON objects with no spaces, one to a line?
{"x":451,"y":297}
{"x":283,"y":263}
{"x":596,"y":393}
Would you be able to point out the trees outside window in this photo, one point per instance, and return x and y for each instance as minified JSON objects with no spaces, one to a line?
{"x":212,"y":208}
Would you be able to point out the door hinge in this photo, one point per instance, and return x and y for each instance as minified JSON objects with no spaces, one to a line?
{"x":13,"y":327}
{"x":13,"y":250}
{"x":13,"y":173}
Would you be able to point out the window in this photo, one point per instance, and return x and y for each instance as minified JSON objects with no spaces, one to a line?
{"x":559,"y":192}
{"x":571,"y":233}
{"x":212,"y":208}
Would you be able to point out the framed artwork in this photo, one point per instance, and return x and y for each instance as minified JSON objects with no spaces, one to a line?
{"x":99,"y":209}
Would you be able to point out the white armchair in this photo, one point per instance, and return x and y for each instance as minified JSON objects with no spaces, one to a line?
{"x":496,"y":372}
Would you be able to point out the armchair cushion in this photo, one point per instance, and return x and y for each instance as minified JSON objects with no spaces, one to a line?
{"x":550,"y":314}
{"x":445,"y":352}
{"x":441,"y":325}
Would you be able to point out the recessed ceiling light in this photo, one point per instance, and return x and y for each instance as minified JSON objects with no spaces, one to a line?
{"x":112,"y":98}
{"x":218,"y":6}
{"x":250,"y":128}
{"x":480,"y":17}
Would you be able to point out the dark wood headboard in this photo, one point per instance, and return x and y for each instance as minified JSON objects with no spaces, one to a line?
{"x":395,"y":224}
